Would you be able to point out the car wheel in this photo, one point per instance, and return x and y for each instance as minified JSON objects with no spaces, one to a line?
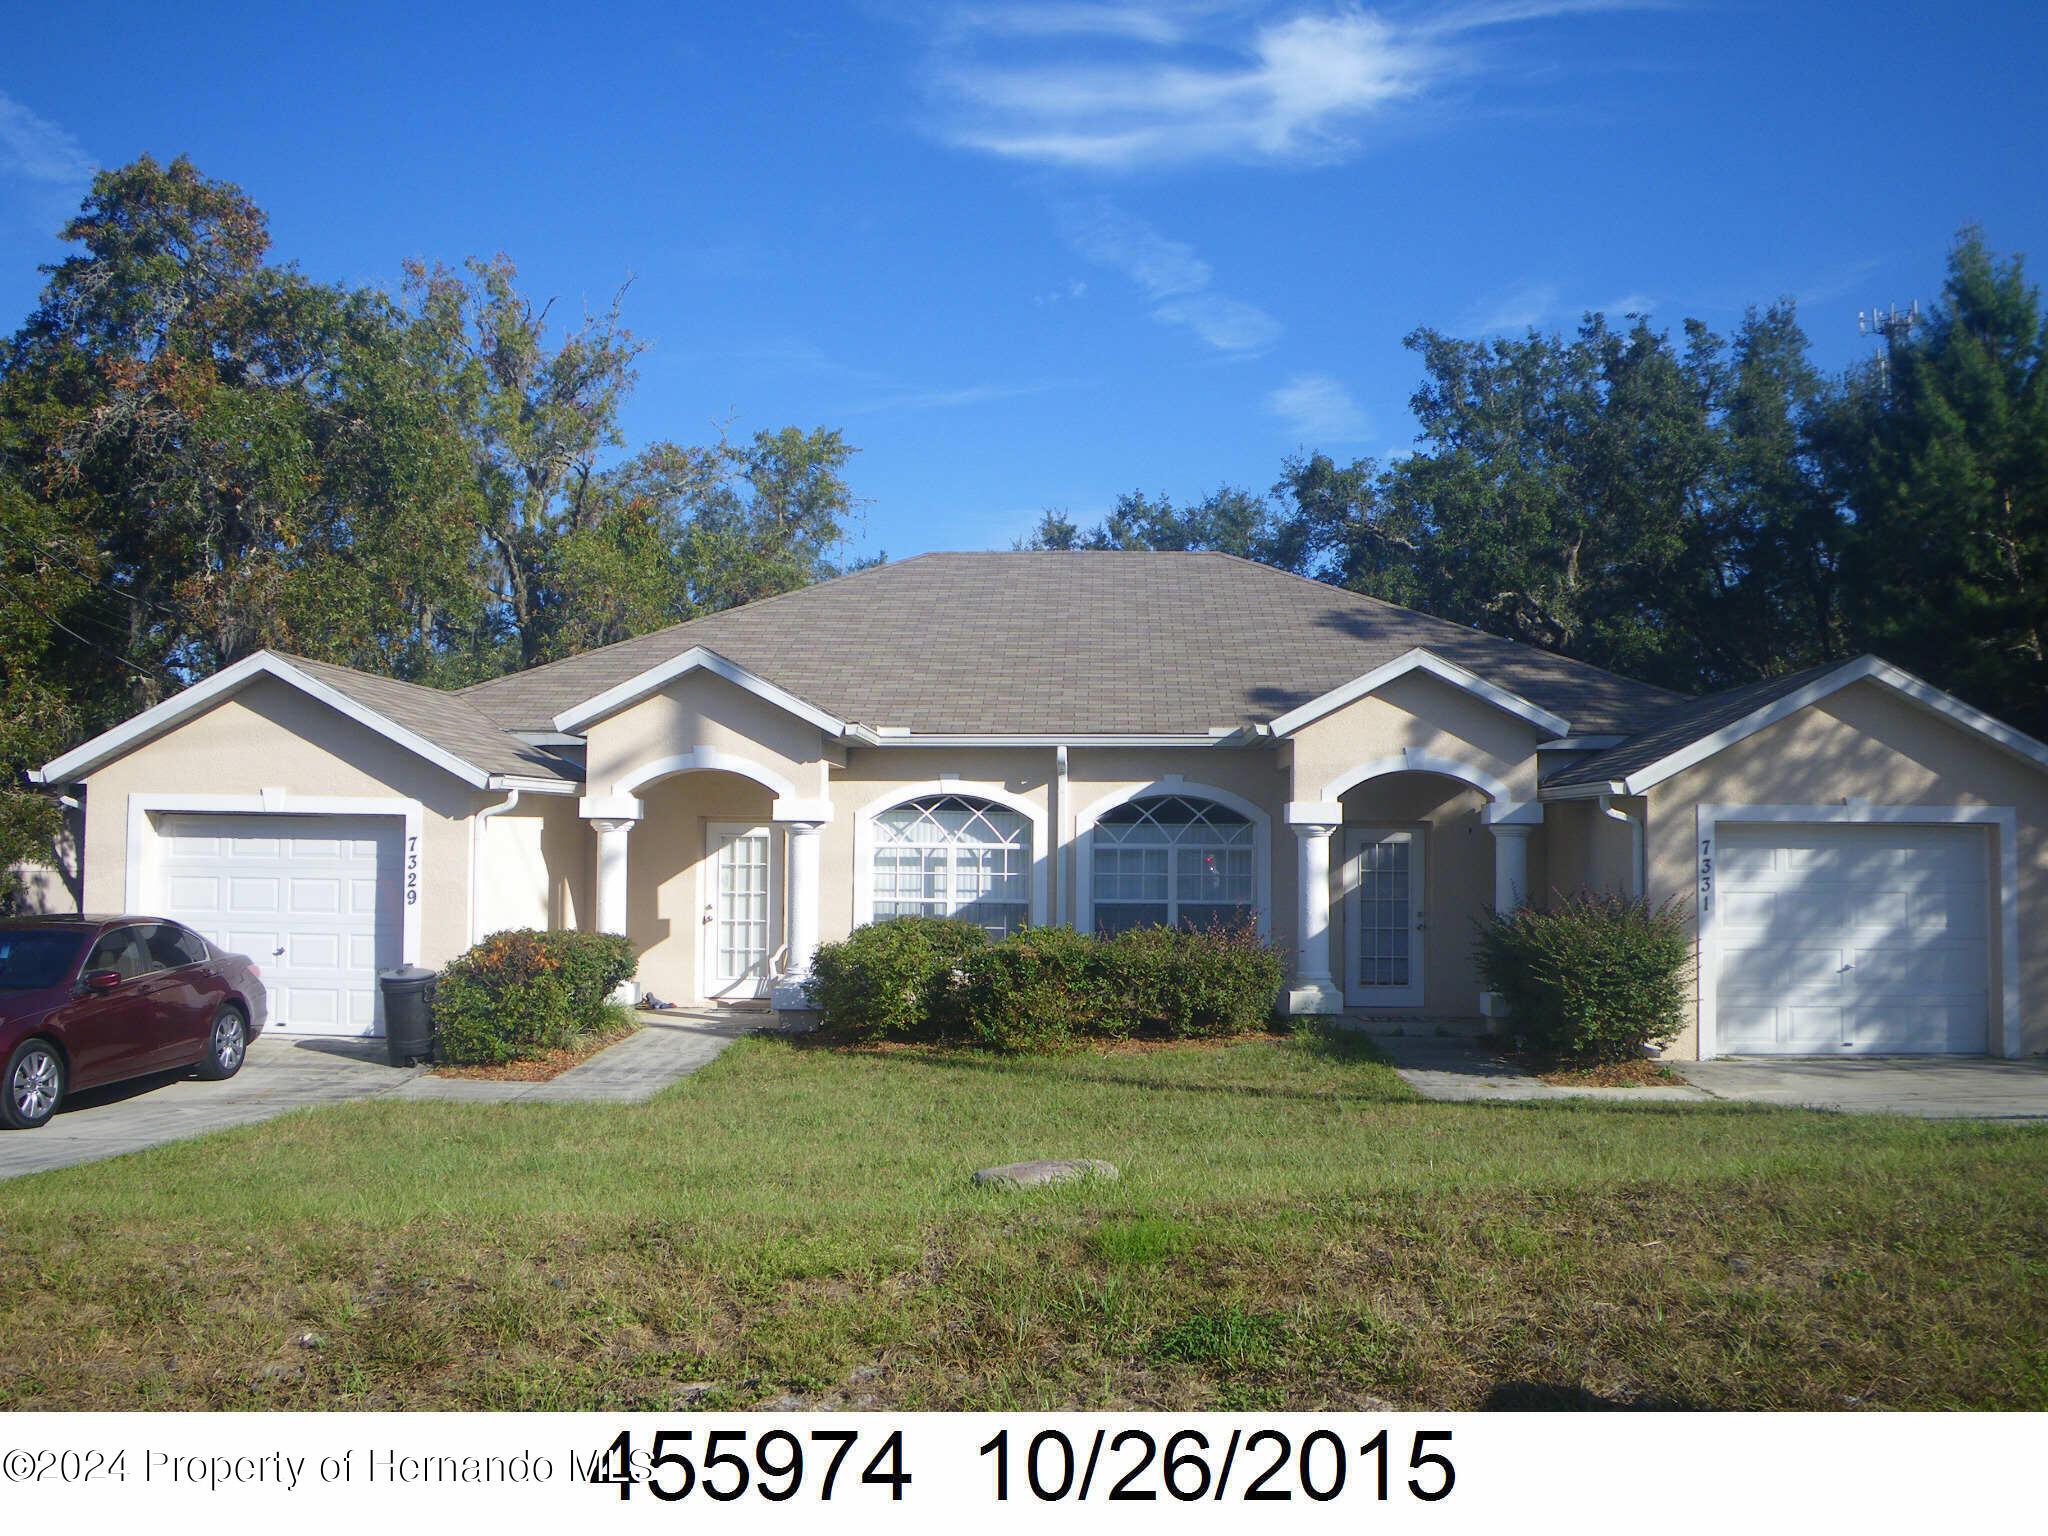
{"x":227,"y":1045}
{"x":34,"y":1084}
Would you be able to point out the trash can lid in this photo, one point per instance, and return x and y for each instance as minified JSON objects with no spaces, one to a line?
{"x":406,"y":973}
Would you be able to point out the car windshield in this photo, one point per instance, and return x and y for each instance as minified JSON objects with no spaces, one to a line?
{"x":33,"y":958}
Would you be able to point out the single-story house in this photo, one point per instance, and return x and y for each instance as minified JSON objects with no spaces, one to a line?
{"x":1098,"y":739}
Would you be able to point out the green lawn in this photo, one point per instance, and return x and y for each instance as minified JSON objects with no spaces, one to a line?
{"x":1293,"y":1230}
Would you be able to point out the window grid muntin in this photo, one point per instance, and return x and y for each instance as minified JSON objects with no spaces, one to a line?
{"x":953,"y":856}
{"x":1385,"y":898}
{"x":742,"y":940}
{"x":1170,"y":859}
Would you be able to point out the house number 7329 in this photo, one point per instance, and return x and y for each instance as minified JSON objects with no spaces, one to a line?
{"x":412,"y":871}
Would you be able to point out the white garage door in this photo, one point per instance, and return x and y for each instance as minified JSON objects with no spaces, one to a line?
{"x":313,"y":900}
{"x":1849,"y":940}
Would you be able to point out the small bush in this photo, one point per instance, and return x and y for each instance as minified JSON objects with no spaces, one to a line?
{"x":1189,"y":983}
{"x":1594,"y":978}
{"x":1036,"y":991}
{"x":893,"y":978}
{"x":524,"y":992}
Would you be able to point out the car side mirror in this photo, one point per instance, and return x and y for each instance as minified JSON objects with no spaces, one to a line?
{"x":100,"y":981}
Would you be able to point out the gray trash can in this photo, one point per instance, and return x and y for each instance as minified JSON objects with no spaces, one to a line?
{"x":408,"y":1014}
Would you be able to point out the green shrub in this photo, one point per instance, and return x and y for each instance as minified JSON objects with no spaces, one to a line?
{"x":893,"y":978}
{"x":1596,"y":977}
{"x":1193,"y":982}
{"x":1036,"y":991}
{"x":524,"y":992}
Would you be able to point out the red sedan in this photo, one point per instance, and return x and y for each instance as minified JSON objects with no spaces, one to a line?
{"x":91,"y":1000}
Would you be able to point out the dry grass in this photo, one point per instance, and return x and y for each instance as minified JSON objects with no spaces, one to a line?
{"x":1293,"y":1230}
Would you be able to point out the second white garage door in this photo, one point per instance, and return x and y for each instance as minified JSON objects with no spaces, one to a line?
{"x":315,"y":901}
{"x":1853,"y":940}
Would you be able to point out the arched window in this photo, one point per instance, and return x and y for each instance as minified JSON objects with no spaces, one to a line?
{"x":954,"y":856}
{"x":1173,"y":860}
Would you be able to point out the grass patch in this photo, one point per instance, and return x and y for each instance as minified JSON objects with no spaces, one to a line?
{"x":1293,"y":1229}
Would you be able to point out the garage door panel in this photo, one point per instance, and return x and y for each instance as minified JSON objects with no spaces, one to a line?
{"x":1851,"y":938}
{"x":254,"y":893}
{"x":1773,"y":968}
{"x":195,"y":893}
{"x":315,"y":901}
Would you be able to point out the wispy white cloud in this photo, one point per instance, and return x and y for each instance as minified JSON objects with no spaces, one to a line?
{"x":43,"y":166}
{"x":950,"y":399}
{"x":1179,"y":284}
{"x":1632,"y":303}
{"x":1317,"y":406}
{"x":1114,"y":87}
{"x":1516,"y":310}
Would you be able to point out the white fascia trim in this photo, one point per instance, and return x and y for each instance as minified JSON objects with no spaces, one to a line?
{"x":151,"y":722}
{"x":1864,"y":668}
{"x":701,"y":760}
{"x":696,"y":658}
{"x":2002,"y":819}
{"x":1172,"y":784}
{"x":1585,"y":791}
{"x":145,"y":868}
{"x":886,"y":737}
{"x":1415,"y":660}
{"x":534,"y":786}
{"x":1042,"y":851}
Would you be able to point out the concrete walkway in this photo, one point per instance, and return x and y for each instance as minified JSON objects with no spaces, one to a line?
{"x":669,"y":1046}
{"x":306,"y":1072}
{"x":1462,"y":1071}
{"x":1930,"y":1087}
{"x":282,"y":1073}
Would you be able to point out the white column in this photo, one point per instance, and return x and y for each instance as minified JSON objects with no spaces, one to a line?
{"x":612,"y":838}
{"x":802,"y":873}
{"x":1510,"y":864}
{"x":1313,"y":990}
{"x":613,"y":834}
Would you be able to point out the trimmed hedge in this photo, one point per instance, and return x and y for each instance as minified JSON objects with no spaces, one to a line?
{"x":1595,"y":977}
{"x":525,"y":991}
{"x":1044,"y":988}
{"x":893,"y":979}
{"x":1193,"y":982}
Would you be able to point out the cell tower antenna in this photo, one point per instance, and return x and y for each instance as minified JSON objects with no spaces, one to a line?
{"x":1894,"y":326}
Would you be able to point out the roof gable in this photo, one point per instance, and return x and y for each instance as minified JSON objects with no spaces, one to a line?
{"x":1698,"y":730}
{"x":1418,"y":660}
{"x":696,"y":658}
{"x":424,"y":721}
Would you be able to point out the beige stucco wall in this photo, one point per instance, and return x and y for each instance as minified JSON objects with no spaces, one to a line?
{"x":665,"y":870}
{"x":269,"y":735}
{"x":1867,"y":743}
{"x":537,"y":860}
{"x":1419,"y":711}
{"x":702,"y":709}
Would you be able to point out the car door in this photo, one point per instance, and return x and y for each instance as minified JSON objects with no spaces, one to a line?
{"x":185,"y":993}
{"x":114,"y":1034}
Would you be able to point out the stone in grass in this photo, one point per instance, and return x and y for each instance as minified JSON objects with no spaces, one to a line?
{"x":1047,"y":1170}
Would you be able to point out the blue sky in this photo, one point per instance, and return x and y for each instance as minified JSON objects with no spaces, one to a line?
{"x":1034,"y":253}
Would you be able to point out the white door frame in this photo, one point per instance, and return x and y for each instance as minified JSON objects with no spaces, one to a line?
{"x":708,"y":987}
{"x":2002,"y":819}
{"x":1357,"y":995}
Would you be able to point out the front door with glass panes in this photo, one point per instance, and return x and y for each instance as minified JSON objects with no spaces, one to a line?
{"x":1383,"y":917}
{"x":739,"y":909}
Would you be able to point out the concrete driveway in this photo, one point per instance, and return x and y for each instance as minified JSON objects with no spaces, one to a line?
{"x":280,"y":1075}
{"x":1933,"y":1087}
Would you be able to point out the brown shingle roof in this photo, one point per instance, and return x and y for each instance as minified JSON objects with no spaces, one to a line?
{"x":1080,"y":642}
{"x":1680,"y":727}
{"x":443,"y":718}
